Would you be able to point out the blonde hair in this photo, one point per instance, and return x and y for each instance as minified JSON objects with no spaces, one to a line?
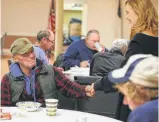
{"x":147,"y":16}
{"x":137,"y":93}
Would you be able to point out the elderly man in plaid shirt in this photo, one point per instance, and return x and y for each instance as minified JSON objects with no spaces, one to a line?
{"x":31,"y":80}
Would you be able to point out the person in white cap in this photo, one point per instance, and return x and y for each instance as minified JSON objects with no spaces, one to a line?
{"x":138,"y":82}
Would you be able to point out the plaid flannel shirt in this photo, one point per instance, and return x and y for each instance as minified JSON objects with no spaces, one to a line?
{"x":63,"y":84}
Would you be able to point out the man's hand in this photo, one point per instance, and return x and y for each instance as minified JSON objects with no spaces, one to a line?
{"x":99,"y":47}
{"x":89,"y":91}
{"x":84,"y":64}
{"x":103,"y":48}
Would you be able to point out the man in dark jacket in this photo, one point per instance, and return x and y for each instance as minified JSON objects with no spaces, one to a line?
{"x":105,"y":85}
{"x":102,"y":63}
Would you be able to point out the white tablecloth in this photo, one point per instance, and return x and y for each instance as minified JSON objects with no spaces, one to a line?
{"x":61,"y":116}
{"x":76,"y":71}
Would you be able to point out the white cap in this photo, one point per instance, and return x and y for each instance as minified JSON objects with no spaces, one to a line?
{"x":140,"y":69}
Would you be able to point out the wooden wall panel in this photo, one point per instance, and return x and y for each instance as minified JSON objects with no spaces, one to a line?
{"x":9,"y":39}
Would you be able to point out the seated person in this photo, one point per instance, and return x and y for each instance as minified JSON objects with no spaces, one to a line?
{"x":102,"y":63}
{"x":59,"y":60}
{"x":31,"y":80}
{"x":138,"y":82}
{"x":80,"y":53}
{"x":45,"y":39}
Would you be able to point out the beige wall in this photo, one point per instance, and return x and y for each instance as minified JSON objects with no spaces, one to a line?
{"x":125,"y":25}
{"x":84,"y":19}
{"x":27,"y":17}
{"x":24,"y":17}
{"x":102,"y":15}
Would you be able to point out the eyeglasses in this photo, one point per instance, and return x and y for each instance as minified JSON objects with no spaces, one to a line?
{"x":52,"y":41}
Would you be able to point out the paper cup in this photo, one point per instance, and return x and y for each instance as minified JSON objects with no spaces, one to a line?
{"x":51,"y":101}
{"x":51,"y":106}
{"x":51,"y":111}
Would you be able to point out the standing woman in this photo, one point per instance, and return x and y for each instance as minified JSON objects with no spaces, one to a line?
{"x":143,"y":19}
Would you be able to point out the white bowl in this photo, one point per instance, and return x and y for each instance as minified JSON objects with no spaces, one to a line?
{"x":28,"y":106}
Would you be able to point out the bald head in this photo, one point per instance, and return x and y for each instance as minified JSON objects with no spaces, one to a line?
{"x":45,"y":39}
{"x":90,"y":32}
{"x":47,"y":33}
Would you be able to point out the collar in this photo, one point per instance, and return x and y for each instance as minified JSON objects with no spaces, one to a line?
{"x":39,"y":48}
{"x":40,"y":67}
{"x":116,"y":50}
{"x":16,"y":71}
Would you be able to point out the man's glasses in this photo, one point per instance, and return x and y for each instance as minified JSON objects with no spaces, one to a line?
{"x":52,"y":41}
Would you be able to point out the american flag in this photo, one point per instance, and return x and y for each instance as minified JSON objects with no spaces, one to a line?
{"x":51,"y":19}
{"x":51,"y":23}
{"x":119,"y":9}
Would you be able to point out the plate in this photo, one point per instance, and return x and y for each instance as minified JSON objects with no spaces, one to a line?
{"x":28,"y":106}
{"x":79,"y":69}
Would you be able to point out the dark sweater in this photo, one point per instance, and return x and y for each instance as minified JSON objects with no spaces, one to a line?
{"x":76,"y":53}
{"x":143,"y":44}
{"x":103,"y":63}
{"x":148,"y":112}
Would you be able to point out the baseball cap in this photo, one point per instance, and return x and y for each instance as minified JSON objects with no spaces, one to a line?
{"x":140,"y":69}
{"x":20,"y":46}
